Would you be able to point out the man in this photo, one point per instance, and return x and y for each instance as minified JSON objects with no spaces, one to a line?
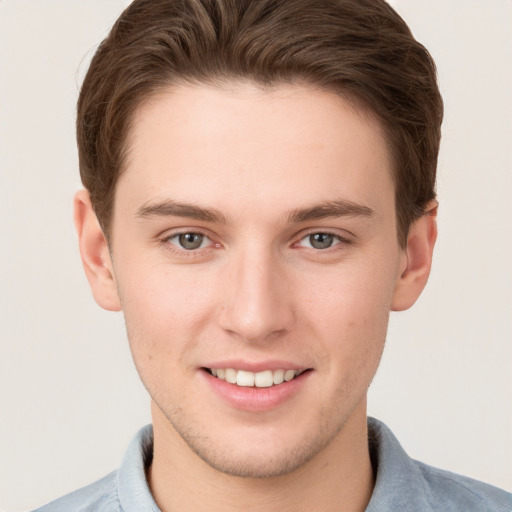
{"x":259,"y":195}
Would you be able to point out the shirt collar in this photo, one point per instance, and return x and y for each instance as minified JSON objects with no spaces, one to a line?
{"x":399,"y":484}
{"x":133,"y":490}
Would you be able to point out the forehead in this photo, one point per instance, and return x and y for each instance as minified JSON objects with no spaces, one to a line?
{"x":241,"y":144}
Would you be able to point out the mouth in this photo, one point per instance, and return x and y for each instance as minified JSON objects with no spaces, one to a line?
{"x":263,"y":379}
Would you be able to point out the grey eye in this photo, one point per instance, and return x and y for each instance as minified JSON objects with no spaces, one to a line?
{"x":321,"y":240}
{"x":191,"y":241}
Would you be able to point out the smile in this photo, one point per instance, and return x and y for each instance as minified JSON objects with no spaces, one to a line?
{"x":264,"y":379}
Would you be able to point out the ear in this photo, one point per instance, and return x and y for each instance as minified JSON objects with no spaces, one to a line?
{"x":95,"y":253}
{"x":417,"y":259}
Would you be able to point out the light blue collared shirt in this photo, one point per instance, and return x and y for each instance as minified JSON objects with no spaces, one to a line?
{"x":402,"y":484}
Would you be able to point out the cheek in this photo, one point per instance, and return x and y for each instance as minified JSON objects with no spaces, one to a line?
{"x":355,"y":296}
{"x":164,"y":314}
{"x":157,"y":297}
{"x":351,"y":315}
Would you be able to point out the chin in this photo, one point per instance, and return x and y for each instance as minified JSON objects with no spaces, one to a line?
{"x":256,"y":451}
{"x":255,"y":462}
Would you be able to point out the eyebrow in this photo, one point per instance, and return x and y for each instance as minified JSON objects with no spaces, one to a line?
{"x":174,"y":209}
{"x":326,"y":209}
{"x":337,"y":208}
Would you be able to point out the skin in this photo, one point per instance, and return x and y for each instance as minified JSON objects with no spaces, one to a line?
{"x":259,"y":161}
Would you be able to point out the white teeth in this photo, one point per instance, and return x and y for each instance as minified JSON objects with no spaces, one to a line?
{"x":289,"y":374}
{"x":264,"y":379}
{"x":231,"y":376}
{"x":278,"y":376}
{"x":245,"y":379}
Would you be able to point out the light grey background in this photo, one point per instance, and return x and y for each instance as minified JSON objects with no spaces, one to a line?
{"x":70,"y":397}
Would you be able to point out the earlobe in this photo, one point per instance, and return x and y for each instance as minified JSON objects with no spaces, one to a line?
{"x":417,"y":259}
{"x":95,"y":253}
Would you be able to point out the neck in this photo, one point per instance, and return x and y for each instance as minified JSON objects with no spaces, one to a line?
{"x":340,"y":475}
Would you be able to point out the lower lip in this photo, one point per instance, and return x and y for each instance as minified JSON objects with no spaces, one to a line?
{"x":255,"y":399}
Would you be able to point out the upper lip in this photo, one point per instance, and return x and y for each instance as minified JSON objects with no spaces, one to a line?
{"x":256,"y":366}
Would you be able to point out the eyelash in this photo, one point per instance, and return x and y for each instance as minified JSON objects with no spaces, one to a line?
{"x":187,"y":253}
{"x":342,"y":242}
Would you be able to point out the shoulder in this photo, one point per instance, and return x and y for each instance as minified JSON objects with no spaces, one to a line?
{"x":124,"y":489}
{"x":100,"y":496}
{"x":452,"y":492}
{"x":403,"y":483}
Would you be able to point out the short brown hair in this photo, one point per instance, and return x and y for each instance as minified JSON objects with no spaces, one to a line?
{"x":360,"y":49}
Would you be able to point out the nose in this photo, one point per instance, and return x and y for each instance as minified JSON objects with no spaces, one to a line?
{"x":257,"y":303}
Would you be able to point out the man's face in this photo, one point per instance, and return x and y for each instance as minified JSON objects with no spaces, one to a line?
{"x":254,"y":231}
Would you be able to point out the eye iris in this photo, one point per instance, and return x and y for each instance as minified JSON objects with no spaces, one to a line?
{"x":321,"y":240}
{"x":191,"y":241}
